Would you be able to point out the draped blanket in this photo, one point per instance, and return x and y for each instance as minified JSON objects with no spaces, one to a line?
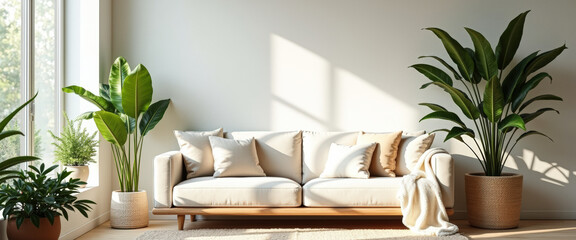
{"x":421,"y":200}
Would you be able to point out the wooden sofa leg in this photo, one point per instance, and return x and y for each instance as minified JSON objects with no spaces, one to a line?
{"x":181,"y":219}
{"x":192,"y":218}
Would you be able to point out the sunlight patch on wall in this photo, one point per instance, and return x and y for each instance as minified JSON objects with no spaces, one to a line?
{"x":551,"y":172}
{"x":300,"y":85}
{"x":363,"y":106}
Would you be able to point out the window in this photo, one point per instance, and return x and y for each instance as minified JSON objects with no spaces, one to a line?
{"x":29,"y":53}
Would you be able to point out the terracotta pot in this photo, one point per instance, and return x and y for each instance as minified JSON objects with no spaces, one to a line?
{"x":81,"y":172}
{"x":28,"y":231}
{"x":493,"y":202}
{"x":129,"y":209}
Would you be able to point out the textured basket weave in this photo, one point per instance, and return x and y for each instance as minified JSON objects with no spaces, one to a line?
{"x":493,"y":202}
{"x":129,"y":209}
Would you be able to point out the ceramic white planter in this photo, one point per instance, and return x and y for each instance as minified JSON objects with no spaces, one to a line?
{"x":81,"y":172}
{"x":129,"y":209}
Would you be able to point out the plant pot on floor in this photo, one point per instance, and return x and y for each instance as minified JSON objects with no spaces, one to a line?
{"x":27,"y":230}
{"x":493,"y":202}
{"x":129,"y":209}
{"x":81,"y":172}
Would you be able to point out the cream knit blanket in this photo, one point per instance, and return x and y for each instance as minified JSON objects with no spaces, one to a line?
{"x":421,"y":200}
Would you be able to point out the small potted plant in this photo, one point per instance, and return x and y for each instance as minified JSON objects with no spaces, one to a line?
{"x":34,"y":202}
{"x":75,"y":148}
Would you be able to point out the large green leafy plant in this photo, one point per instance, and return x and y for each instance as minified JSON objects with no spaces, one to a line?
{"x":75,"y":146}
{"x":126,"y":115}
{"x":34,"y":195}
{"x":6,"y":164}
{"x":494,"y":98}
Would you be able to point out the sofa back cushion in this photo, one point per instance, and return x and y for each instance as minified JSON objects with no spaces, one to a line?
{"x":315,"y":148}
{"x":279,"y":153}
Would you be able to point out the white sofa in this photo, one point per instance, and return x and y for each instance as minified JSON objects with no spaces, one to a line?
{"x":292,"y":162}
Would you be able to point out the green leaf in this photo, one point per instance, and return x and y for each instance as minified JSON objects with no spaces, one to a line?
{"x":511,"y":121}
{"x":461,"y":100}
{"x":493,"y":103}
{"x":485,"y":59}
{"x":137,"y":92}
{"x":13,"y":113}
{"x":445,"y":115}
{"x":528,"y":133}
{"x":433,"y":73}
{"x":9,"y":133}
{"x":476,"y":78}
{"x":531,"y":84}
{"x":539,"y":98}
{"x":85,"y":116}
{"x":457,"y":132}
{"x":111,"y":127}
{"x":153,"y":115}
{"x":118,"y":73}
{"x":15,"y":161}
{"x":105,"y":91}
{"x":510,"y":40}
{"x":100,"y":102}
{"x":543,"y":59}
{"x":456,"y":75}
{"x":515,"y":79}
{"x":426,"y":85}
{"x":434,"y":107}
{"x":531,"y":116}
{"x":35,"y":220}
{"x":129,"y":122}
{"x":456,"y":52}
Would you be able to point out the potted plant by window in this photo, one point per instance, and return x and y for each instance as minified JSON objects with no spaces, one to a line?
{"x":126,"y":115}
{"x":34,"y":202}
{"x":75,"y":148}
{"x":495,"y":100}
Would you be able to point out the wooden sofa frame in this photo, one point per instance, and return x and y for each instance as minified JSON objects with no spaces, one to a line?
{"x":181,"y":212}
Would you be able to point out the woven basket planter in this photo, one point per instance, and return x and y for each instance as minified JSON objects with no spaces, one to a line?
{"x":493,"y":202}
{"x":129,"y":210}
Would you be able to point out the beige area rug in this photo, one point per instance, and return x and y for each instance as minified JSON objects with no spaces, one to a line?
{"x":288,"y":234}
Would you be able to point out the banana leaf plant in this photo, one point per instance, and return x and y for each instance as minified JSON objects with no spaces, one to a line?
{"x":6,"y":164}
{"x":124,"y":102}
{"x":494,"y":98}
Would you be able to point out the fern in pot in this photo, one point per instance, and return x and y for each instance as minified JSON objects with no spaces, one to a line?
{"x":33,"y":202}
{"x":494,"y":96}
{"x":75,"y":148}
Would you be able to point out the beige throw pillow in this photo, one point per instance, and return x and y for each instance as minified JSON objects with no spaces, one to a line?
{"x":384,"y":158}
{"x":348,"y":161}
{"x":195,"y":147}
{"x":411,"y":148}
{"x":235,"y":158}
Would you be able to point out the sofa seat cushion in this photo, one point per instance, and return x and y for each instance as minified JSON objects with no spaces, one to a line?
{"x":352,"y":192}
{"x":237,"y":192}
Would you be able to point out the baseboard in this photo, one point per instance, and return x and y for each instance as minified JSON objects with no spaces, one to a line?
{"x":79,"y":231}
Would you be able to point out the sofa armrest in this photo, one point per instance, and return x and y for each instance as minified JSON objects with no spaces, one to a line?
{"x":168,"y":169}
{"x":443,"y":167}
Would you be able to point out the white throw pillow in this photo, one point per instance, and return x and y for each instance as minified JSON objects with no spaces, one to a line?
{"x":195,"y":147}
{"x":348,"y":161}
{"x":235,"y":158}
{"x":411,"y":148}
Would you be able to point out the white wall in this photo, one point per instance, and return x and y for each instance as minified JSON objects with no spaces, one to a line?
{"x":87,"y":58}
{"x":341,"y":65}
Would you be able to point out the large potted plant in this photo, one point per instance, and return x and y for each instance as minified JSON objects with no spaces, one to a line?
{"x":126,"y":115}
{"x":75,"y":148}
{"x":34,"y":202}
{"x":493,"y":95}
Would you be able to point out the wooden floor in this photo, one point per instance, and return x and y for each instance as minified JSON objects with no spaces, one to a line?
{"x":529,"y":229}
